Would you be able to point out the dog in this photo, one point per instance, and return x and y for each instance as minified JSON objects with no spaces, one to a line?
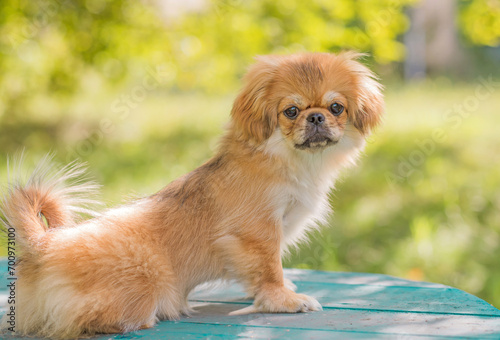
{"x":298,"y":121}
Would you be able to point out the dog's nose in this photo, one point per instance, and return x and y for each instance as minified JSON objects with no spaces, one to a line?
{"x":316,"y":118}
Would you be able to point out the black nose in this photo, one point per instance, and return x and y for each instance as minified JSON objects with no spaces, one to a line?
{"x":316,"y":118}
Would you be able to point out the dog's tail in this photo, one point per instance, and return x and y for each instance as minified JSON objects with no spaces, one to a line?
{"x":49,"y":198}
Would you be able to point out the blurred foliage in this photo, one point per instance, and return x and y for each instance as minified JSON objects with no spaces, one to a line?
{"x":105,"y":81}
{"x":52,"y":49}
{"x":480,"y":21}
{"x":235,"y":31}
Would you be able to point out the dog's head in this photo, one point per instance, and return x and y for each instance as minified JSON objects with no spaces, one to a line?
{"x":312,"y":98}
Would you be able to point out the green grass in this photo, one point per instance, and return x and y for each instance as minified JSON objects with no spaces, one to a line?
{"x":423,"y":202}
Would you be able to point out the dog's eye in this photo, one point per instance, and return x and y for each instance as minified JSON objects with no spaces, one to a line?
{"x":336,"y":109}
{"x":291,"y":112}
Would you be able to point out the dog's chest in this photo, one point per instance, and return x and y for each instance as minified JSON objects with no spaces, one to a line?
{"x":307,"y":204}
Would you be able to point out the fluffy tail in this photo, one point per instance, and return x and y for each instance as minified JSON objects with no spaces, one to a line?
{"x":49,"y":198}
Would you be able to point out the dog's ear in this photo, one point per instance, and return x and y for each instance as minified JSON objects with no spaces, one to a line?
{"x":252,"y":114}
{"x":369,"y":101}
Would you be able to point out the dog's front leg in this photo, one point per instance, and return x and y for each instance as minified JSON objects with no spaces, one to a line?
{"x":255,"y":259}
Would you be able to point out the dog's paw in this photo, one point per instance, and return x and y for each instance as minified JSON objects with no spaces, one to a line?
{"x":287,"y":301}
{"x":280,"y":300}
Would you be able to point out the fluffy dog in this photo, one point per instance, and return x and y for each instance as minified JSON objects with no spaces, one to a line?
{"x":296,"y":123}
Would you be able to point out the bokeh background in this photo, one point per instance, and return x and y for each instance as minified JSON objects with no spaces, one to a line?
{"x":140,"y":90}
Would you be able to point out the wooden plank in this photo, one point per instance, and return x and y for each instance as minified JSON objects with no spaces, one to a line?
{"x":181,"y":330}
{"x":355,"y":296}
{"x":356,"y":321}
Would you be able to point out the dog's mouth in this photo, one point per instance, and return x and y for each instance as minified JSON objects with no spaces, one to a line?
{"x":317,"y":139}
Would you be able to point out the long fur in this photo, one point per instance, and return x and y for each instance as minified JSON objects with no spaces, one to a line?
{"x":232,"y":218}
{"x":50,"y":197}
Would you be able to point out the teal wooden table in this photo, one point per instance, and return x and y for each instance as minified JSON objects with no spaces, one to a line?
{"x":355,"y":306}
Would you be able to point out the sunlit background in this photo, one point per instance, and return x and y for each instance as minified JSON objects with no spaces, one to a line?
{"x":141,"y":91}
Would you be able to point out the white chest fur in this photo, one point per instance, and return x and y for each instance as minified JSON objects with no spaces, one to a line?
{"x":311,"y":176}
{"x":307,"y":206}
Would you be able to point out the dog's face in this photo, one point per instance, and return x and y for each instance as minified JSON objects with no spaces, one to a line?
{"x":312,"y":121}
{"x":314,"y":99}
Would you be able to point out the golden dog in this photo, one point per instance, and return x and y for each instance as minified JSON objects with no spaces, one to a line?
{"x":296,"y":123}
